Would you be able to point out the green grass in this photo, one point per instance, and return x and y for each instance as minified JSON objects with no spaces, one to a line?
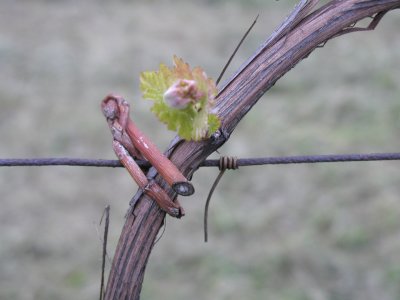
{"x":328,"y":231}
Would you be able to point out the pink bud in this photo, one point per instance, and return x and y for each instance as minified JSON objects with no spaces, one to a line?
{"x":181,"y":93}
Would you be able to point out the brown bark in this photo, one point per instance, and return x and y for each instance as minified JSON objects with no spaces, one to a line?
{"x":235,"y":99}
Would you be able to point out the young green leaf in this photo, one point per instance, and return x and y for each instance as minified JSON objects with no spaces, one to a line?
{"x":183,"y":98}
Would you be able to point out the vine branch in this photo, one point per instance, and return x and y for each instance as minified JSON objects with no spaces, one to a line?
{"x":295,"y":39}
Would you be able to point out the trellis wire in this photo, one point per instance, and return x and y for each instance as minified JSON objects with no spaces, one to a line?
{"x":241,"y":162}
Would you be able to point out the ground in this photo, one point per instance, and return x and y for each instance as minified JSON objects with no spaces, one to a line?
{"x":326,"y":231}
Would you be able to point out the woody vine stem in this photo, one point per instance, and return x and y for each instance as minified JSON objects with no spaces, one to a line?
{"x":293,"y":41}
{"x":302,"y":32}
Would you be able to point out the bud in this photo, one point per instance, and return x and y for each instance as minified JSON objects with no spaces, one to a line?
{"x":181,"y":93}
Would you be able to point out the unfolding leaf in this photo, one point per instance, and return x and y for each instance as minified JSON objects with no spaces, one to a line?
{"x":182,"y":99}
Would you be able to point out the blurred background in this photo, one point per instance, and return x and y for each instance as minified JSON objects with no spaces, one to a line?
{"x":326,"y":231}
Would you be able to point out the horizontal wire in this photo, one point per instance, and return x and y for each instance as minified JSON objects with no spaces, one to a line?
{"x":241,"y":162}
{"x":308,"y":159}
{"x":37,"y":162}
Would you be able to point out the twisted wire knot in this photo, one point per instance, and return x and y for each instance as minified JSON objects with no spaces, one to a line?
{"x":228,"y":163}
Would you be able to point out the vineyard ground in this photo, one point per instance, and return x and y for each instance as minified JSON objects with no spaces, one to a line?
{"x":328,"y":231}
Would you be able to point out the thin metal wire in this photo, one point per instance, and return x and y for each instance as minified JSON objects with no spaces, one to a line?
{"x":224,"y":163}
{"x":309,"y":159}
{"x":82,"y":162}
{"x":241,"y":162}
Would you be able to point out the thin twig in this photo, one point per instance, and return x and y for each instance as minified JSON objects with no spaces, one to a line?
{"x":162,"y":233}
{"x":234,"y":51}
{"x":241,"y":162}
{"x":292,"y":20}
{"x":106,"y":213}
